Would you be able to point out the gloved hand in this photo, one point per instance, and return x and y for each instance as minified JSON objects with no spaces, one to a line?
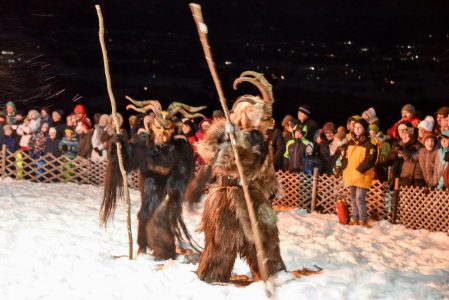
{"x":116,"y":138}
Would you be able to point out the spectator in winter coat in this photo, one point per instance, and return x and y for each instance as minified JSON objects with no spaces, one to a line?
{"x":405,"y":158}
{"x":442,"y":113}
{"x":383,"y":149}
{"x":304,"y":114}
{"x":31,"y":125}
{"x":52,"y":145}
{"x":274,"y":136}
{"x":38,"y":141}
{"x":84,"y":136}
{"x":99,"y":153}
{"x":440,"y":162}
{"x":45,"y":116}
{"x":427,"y":158}
{"x":358,"y":169}
{"x":10,"y":111}
{"x":408,"y":115}
{"x":425,"y":127}
{"x":285,"y":124}
{"x":297,"y":149}
{"x":328,"y":148}
{"x":81,"y":117}
{"x":69,"y":144}
{"x":58,"y":123}
{"x":8,"y":138}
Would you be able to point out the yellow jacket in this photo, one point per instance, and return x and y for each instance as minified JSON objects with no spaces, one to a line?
{"x":358,"y":162}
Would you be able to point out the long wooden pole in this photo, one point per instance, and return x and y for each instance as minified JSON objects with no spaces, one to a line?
{"x":117,"y":130}
{"x":261,"y":259}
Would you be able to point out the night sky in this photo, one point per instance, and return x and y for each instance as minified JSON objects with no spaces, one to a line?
{"x":339,"y":58}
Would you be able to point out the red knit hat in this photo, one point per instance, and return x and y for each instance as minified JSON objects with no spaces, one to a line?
{"x":79,"y":109}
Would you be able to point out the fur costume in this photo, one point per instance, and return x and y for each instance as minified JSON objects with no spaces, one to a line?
{"x":225,"y":220}
{"x":166,"y":164}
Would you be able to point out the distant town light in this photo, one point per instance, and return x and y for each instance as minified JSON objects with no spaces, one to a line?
{"x":228,"y":62}
{"x":312,"y":68}
{"x":282,"y":77}
{"x":145,"y":88}
{"x":7,"y":52}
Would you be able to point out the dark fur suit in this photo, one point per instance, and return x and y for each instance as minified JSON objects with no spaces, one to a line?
{"x":225,"y":219}
{"x":164,"y":173}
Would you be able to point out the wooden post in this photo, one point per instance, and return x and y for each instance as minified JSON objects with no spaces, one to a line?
{"x":395,"y":201}
{"x":3,"y":161}
{"x":314,"y":188}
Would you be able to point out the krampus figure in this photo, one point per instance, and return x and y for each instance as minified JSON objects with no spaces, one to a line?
{"x":166,"y":163}
{"x":225,"y":220}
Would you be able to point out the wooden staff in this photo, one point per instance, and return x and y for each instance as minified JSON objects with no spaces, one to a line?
{"x":261,"y":259}
{"x":117,"y":130}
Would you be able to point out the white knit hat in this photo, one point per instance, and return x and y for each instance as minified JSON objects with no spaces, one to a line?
{"x":427,"y":123}
{"x":371,"y":114}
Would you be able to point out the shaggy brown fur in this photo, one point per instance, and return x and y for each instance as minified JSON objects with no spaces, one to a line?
{"x":225,"y":219}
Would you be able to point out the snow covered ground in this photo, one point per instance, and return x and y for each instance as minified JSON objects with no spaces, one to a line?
{"x":53,"y":248}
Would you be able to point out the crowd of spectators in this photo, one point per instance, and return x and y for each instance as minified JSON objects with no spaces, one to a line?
{"x":413,"y":150}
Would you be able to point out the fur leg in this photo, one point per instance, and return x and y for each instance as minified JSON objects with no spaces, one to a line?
{"x":222,"y":236}
{"x":160,"y":237}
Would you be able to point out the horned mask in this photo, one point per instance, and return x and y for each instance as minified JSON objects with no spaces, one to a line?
{"x":163,"y":126}
{"x":248,"y":111}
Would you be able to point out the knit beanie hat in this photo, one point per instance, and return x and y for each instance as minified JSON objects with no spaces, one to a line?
{"x":329,"y":127}
{"x":410,"y":108}
{"x":370,"y":114}
{"x":10,"y":103}
{"x":52,"y":130}
{"x":427,"y":123}
{"x":79,"y":109}
{"x":374,"y":128}
{"x":34,"y":114}
{"x":305,"y":109}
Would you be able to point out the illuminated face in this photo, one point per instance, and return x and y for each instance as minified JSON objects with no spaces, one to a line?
{"x":329,"y":135}
{"x":406,"y":114}
{"x":429,"y":144}
{"x":9,"y":110}
{"x":358,"y":129}
{"x":302,"y":116}
{"x":445,"y":142}
{"x":55,"y":116}
{"x":421,"y":132}
{"x":163,"y":131}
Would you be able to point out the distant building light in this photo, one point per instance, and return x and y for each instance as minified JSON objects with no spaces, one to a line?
{"x":409,"y":47}
{"x":430,"y":36}
{"x":332,"y":55}
{"x":312,"y":68}
{"x":145,"y":88}
{"x":364,"y":49}
{"x":279,"y":50}
{"x":228,"y":62}
{"x":416,"y":56}
{"x":7,"y":52}
{"x":282,"y":77}
{"x":392,"y":82}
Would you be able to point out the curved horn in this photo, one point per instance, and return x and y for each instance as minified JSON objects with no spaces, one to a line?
{"x":139,"y":103}
{"x":138,"y":109}
{"x":188,"y":108}
{"x":261,"y":83}
{"x":185,"y":110}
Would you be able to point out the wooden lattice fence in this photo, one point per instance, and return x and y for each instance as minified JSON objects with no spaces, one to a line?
{"x":419,"y":208}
